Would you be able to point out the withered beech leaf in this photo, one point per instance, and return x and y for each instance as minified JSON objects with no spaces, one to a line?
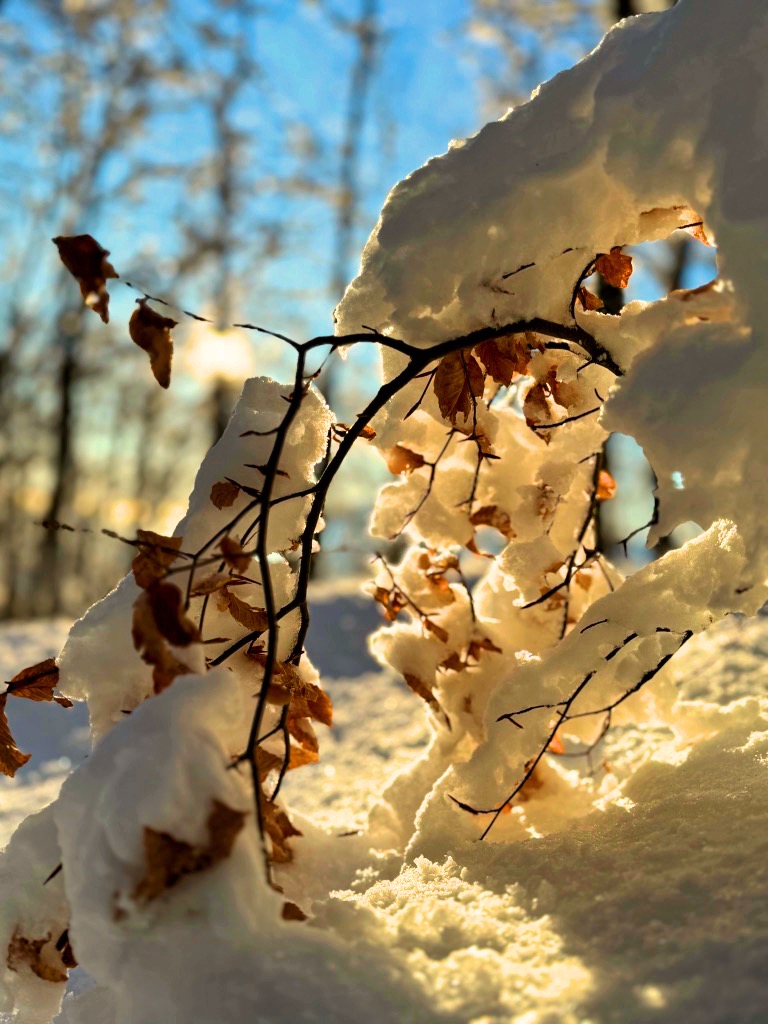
{"x":233,"y":554}
{"x":391,"y":600}
{"x":584,"y":579}
{"x":280,"y":829}
{"x":167,"y":604}
{"x":556,"y":745}
{"x":156,"y":555}
{"x":149,"y":637}
{"x":402,"y":460}
{"x":87,"y":262}
{"x":301,"y":756}
{"x":215,"y":581}
{"x":224,"y":493}
{"x":458,"y":383}
{"x":300,"y":727}
{"x":255,"y":620}
{"x":305,"y":700}
{"x":478,"y":645}
{"x":11,"y":758}
{"x":32,"y":954}
{"x":588,"y":299}
{"x":606,"y":486}
{"x":421,"y":689}
{"x":37,"y":682}
{"x":432,"y":627}
{"x":453,"y":663}
{"x":492,"y":515}
{"x":615,"y":267}
{"x":291,"y":912}
{"x":151,"y":331}
{"x":267,"y":762}
{"x":505,"y":357}
{"x":167,"y":860}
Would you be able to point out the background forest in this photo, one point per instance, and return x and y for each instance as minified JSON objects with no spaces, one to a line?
{"x":233,"y":155}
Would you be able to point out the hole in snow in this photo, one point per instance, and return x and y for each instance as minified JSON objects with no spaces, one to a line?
{"x":633,"y":506}
{"x":659,"y":268}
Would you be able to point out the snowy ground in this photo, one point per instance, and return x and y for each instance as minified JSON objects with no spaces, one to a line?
{"x":658,"y":914}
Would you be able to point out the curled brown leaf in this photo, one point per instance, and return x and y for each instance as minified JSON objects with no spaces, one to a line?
{"x":156,"y":555}
{"x":87,"y":262}
{"x":458,"y":384}
{"x":151,"y":331}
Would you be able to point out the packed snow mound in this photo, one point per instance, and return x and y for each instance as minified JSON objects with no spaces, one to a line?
{"x":635,"y":142}
{"x":648,"y":910}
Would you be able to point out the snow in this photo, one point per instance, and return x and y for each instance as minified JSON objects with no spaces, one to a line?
{"x":647,"y":914}
{"x":630,"y":892}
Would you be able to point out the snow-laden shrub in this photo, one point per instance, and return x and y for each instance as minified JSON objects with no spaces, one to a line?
{"x":177,"y":877}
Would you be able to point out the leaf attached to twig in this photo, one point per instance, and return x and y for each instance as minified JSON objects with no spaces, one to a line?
{"x":151,"y":331}
{"x":87,"y":262}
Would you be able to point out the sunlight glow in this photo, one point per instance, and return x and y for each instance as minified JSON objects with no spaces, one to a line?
{"x":211,"y":355}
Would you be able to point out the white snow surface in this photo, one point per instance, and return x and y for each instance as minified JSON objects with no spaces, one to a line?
{"x":651,"y":912}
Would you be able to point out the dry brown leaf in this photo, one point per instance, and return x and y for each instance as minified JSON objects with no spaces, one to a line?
{"x":556,"y":745}
{"x":280,"y":829}
{"x":584,"y":579}
{"x":87,"y":262}
{"x":492,"y":515}
{"x":255,"y":620}
{"x":433,"y":627}
{"x":224,"y":493}
{"x":37,"y":682}
{"x":402,"y":460}
{"x":537,"y":409}
{"x":166,"y":602}
{"x":588,"y":299}
{"x":156,"y":555}
{"x":505,"y":358}
{"x":301,"y":756}
{"x":159,"y":619}
{"x":214,"y":582}
{"x":11,"y":758}
{"x":151,"y":331}
{"x":305,"y":700}
{"x":267,"y":762}
{"x":391,"y":600}
{"x":453,"y":663}
{"x":291,"y":912}
{"x":480,"y":644}
{"x":615,"y":267}
{"x":167,"y":860}
{"x":421,"y":689}
{"x":301,"y":729}
{"x":233,"y":554}
{"x":24,"y":952}
{"x":606,"y":486}
{"x":458,"y":383}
